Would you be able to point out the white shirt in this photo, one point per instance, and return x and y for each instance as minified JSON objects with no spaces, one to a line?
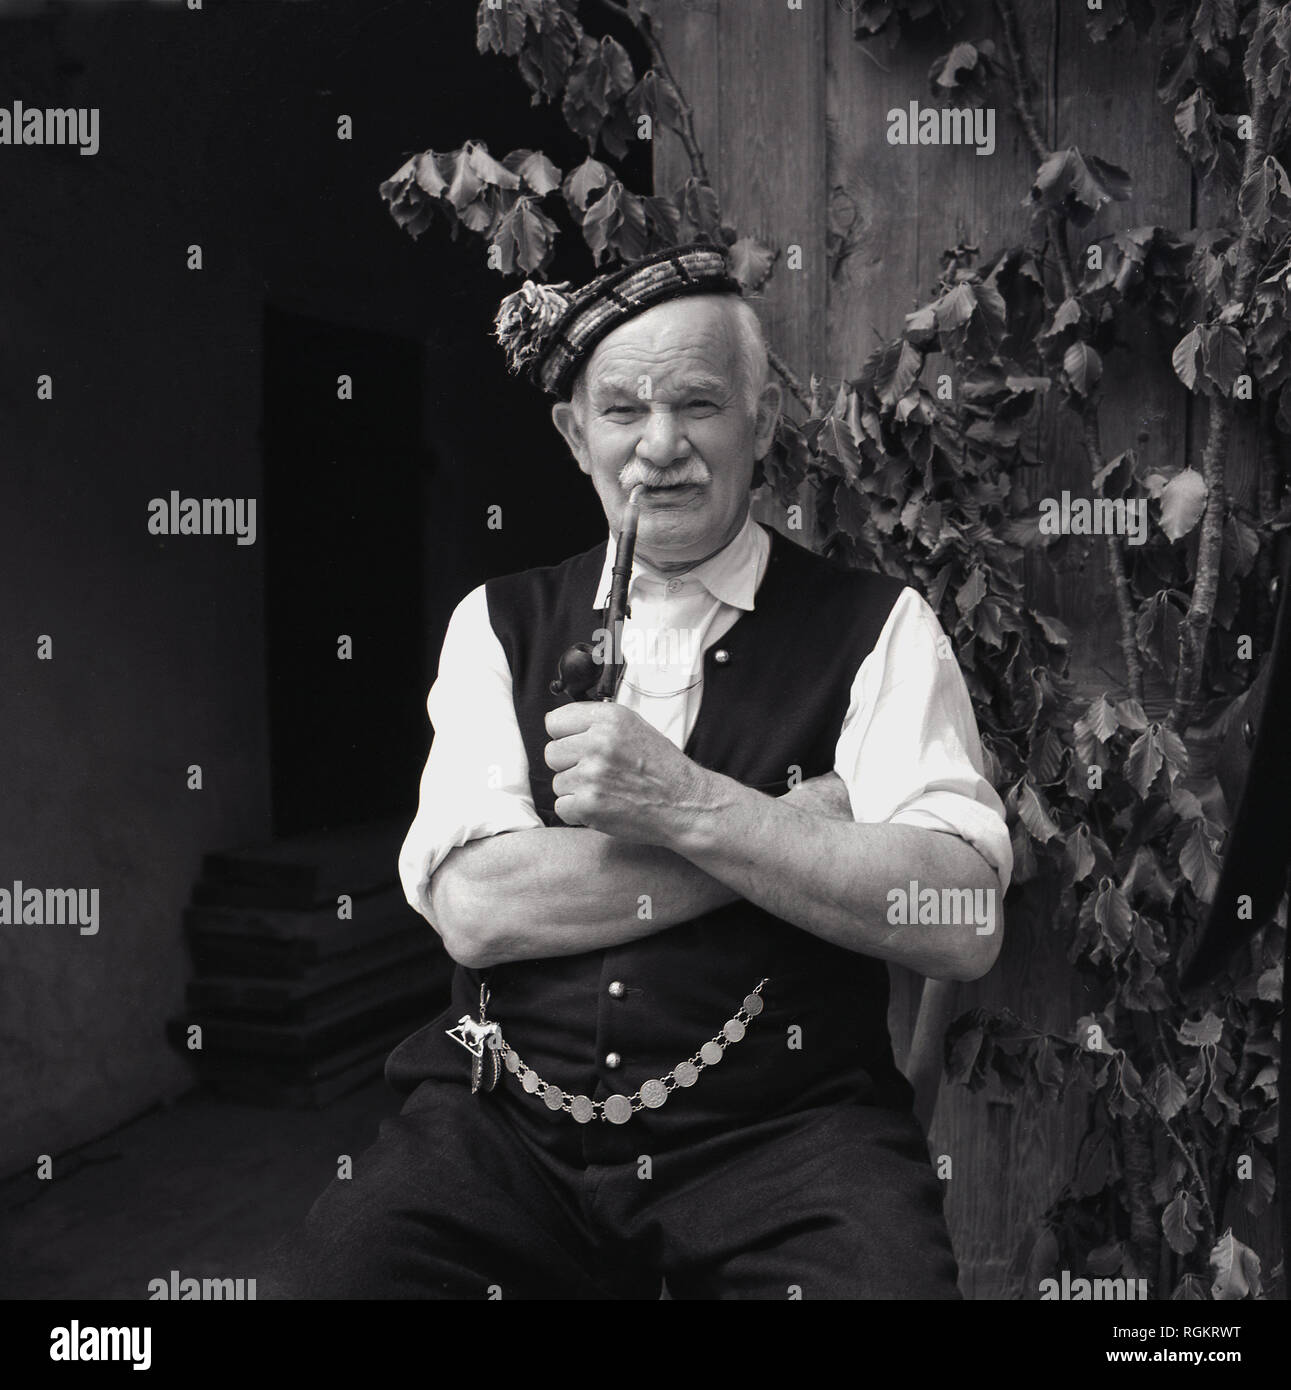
{"x":908,"y":750}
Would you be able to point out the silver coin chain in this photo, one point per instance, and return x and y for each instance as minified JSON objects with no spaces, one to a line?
{"x":618,"y":1109}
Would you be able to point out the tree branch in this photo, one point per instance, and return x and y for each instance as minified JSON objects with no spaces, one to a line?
{"x":1116,"y":564}
{"x":1020,"y":79}
{"x":786,"y":374}
{"x":685,"y":127}
{"x":1196,"y":626}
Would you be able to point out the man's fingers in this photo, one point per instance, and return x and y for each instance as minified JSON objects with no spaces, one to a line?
{"x":564,"y":808}
{"x":562,"y":753}
{"x":578,"y":716}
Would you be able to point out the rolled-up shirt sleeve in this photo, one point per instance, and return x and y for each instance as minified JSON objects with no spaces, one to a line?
{"x":476,"y":779}
{"x":909,"y":750}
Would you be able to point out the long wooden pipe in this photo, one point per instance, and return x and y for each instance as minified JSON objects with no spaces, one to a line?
{"x":620,"y":578}
{"x":577,"y":672}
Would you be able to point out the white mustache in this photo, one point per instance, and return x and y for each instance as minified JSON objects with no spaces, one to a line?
{"x":692,"y":471}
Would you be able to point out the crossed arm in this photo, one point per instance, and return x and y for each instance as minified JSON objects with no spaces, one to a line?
{"x":644,"y":821}
{"x":555,"y":892}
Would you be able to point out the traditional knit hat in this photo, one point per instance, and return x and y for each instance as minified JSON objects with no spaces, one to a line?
{"x":549,"y":332}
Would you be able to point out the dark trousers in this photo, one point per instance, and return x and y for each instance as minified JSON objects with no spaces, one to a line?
{"x":466,"y":1197}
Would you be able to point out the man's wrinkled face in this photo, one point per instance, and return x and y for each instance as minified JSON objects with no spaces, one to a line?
{"x":665,"y":404}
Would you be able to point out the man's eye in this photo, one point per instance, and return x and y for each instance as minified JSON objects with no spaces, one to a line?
{"x":623,"y":410}
{"x":701,"y":403}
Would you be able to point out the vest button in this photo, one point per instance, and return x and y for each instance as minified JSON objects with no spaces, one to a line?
{"x":617,"y":989}
{"x":613,"y":1060}
{"x":721,"y":656}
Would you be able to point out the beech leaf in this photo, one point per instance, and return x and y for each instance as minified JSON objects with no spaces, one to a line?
{"x":1183,"y":499}
{"x":1236,"y":1268}
{"x":589,"y":178}
{"x":1184,"y":358}
{"x":1199,"y":862}
{"x":1144,"y":760}
{"x":1033,"y":813}
{"x":751,"y":262}
{"x":1202,"y":1032}
{"x":1224,"y":355}
{"x":1179,"y":1221}
{"x":537,"y":171}
{"x":897,"y":370}
{"x":1083,"y":367}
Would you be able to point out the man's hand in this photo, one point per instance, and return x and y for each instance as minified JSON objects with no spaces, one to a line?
{"x":618,"y":774}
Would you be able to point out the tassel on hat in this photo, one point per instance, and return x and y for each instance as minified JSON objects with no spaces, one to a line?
{"x":526,"y":317}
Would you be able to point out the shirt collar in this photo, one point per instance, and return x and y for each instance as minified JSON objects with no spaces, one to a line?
{"x":731,"y":576}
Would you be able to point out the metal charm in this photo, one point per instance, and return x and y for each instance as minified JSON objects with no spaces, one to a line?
{"x":581,"y":1109}
{"x":486,"y":1070}
{"x":710,"y":1054}
{"x":653,"y":1094}
{"x":474,"y":1037}
{"x":618,"y":1109}
{"x":482,"y":1041}
{"x":733,"y":1029}
{"x":685,"y":1073}
{"x":753,"y":1005}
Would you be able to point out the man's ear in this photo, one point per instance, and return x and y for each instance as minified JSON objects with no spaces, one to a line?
{"x":770,"y":400}
{"x":565,"y":417}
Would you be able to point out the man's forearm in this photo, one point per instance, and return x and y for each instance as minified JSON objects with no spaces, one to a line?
{"x":555,"y":892}
{"x":834,"y":879}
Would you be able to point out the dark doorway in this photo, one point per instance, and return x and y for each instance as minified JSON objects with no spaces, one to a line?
{"x":343,"y":534}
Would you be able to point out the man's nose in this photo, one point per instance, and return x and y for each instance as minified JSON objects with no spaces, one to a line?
{"x":663,"y":440}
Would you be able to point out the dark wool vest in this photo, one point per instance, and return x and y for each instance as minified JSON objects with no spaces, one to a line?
{"x":771,"y":711}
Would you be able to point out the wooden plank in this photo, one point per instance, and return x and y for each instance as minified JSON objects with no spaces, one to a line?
{"x":359,"y":1017}
{"x":230,"y":953}
{"x":319,"y":987}
{"x":249,"y":957}
{"x":1008,"y":1160}
{"x":687,"y":30}
{"x":895,"y":208}
{"x":773,"y":179}
{"x":380,"y":910}
{"x":772,"y":158}
{"x":872,"y":194}
{"x":313,"y":869}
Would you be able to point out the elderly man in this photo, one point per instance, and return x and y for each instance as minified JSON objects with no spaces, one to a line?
{"x":672,"y":910}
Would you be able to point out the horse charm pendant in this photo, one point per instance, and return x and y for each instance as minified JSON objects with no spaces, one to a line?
{"x":478,"y":1039}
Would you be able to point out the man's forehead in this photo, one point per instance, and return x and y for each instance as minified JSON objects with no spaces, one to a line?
{"x":684,"y":340}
